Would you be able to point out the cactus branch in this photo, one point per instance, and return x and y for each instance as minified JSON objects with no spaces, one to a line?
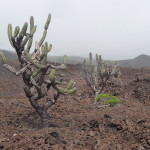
{"x":3,"y":58}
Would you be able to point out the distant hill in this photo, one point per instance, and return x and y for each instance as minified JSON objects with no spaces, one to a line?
{"x":11,"y":55}
{"x":138,"y":62}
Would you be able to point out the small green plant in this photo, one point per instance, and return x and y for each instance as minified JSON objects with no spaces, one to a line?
{"x":107,"y":99}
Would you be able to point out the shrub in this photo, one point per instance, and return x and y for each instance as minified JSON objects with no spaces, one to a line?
{"x":107,"y":99}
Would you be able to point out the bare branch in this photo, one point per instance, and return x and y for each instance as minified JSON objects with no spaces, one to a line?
{"x":13,"y":70}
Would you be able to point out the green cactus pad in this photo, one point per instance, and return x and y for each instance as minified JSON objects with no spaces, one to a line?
{"x":10,"y":34}
{"x":33,"y":30}
{"x":62,"y":90}
{"x":3,"y":58}
{"x":23,"y":31}
{"x":65,"y":91}
{"x":70,"y":84}
{"x":43,"y":38}
{"x":72,"y":91}
{"x":47,"y":22}
{"x":46,"y":46}
{"x":24,"y":42}
{"x":44,"y":60}
{"x":27,"y":50}
{"x":52,"y":75}
{"x":31,"y":23}
{"x":16,"y":32}
{"x":24,"y":28}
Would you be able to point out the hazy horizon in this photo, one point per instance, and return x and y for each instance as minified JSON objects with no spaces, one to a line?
{"x":115,"y":29}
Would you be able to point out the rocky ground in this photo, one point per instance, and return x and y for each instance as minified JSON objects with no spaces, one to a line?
{"x":75,"y":123}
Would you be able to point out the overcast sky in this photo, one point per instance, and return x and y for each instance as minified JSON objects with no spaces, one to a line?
{"x":116,"y":29}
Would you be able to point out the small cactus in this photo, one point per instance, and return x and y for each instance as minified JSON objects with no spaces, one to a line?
{"x":98,"y":75}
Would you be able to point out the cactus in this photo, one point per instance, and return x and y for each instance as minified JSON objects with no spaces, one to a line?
{"x":3,"y":58}
{"x":10,"y":34}
{"x":16,"y":32}
{"x":52,"y":75}
{"x":47,"y":22}
{"x":35,"y":67}
{"x":98,"y":75}
{"x":43,"y":38}
{"x":66,"y":91}
{"x":70,"y":85}
{"x":65,"y":59}
{"x":90,"y":61}
{"x":31,"y":24}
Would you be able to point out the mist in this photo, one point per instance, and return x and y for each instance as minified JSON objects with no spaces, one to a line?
{"x":116,"y":29}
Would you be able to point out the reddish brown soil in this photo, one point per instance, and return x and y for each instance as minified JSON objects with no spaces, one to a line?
{"x":75,"y":123}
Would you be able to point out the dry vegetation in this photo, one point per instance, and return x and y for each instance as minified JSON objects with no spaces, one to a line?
{"x":75,"y":123}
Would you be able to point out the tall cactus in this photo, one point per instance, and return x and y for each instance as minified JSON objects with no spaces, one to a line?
{"x":97,"y":75}
{"x":35,"y":67}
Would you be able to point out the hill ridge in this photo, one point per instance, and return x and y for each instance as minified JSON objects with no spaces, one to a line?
{"x":142,"y":60}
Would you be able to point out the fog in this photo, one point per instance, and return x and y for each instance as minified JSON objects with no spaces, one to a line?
{"x":116,"y":29}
